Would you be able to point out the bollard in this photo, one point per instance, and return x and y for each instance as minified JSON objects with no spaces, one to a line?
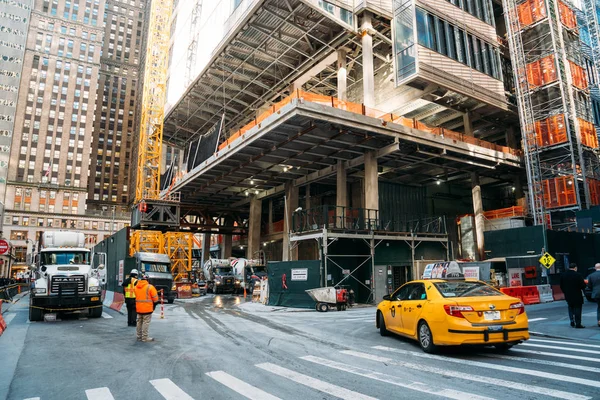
{"x":162,"y":304}
{"x":244,"y":291}
{"x":19,"y":289}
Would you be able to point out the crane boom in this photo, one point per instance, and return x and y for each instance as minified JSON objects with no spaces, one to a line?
{"x":153,"y":100}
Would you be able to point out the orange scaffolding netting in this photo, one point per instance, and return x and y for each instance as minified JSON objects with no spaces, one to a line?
{"x":559,"y":192}
{"x":587,"y":132}
{"x":567,"y":16}
{"x":594,"y":186}
{"x":358,"y":108}
{"x":579,"y":76}
{"x":541,"y":72}
{"x":551,"y":130}
{"x":531,"y":11}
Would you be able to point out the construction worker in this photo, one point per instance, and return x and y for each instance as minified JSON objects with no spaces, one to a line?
{"x":129,"y":290}
{"x":146,"y":298}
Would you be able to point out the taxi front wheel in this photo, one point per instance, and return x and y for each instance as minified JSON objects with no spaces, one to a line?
{"x":382,"y":328}
{"x":426,"y":338}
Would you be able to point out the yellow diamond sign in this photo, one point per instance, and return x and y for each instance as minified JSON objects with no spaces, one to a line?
{"x":547,"y":260}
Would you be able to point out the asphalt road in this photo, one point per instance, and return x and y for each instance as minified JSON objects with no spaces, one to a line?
{"x":220,"y":348}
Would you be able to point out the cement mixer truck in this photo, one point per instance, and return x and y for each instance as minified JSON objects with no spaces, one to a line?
{"x":247,"y":273}
{"x":219,"y":275}
{"x":65,"y":276}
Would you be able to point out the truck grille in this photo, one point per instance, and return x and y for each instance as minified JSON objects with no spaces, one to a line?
{"x":68,"y":284}
{"x":228,"y":281}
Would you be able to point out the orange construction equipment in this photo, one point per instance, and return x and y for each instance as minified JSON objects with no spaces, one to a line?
{"x":559,"y":192}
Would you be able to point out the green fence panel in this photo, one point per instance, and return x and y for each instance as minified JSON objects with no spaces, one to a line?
{"x":299,"y":276}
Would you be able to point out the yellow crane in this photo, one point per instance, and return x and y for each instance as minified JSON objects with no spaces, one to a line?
{"x":148,"y":202}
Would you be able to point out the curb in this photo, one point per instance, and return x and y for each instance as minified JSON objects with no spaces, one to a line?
{"x":547,"y":335}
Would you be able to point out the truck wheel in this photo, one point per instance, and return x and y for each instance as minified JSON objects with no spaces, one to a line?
{"x":95,"y":312}
{"x":215,"y":290}
{"x":35,"y":314}
{"x":323,"y":307}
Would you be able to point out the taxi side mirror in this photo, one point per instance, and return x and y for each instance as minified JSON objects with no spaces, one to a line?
{"x":387,"y":297}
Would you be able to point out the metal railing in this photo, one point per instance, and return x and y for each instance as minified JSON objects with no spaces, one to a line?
{"x":361,"y":219}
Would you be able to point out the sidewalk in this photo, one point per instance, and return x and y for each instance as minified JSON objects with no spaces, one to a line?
{"x":6,"y":305}
{"x":552,"y":320}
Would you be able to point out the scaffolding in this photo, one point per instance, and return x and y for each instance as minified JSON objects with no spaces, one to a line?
{"x":589,"y":18}
{"x":559,"y":140}
{"x":192,"y":49}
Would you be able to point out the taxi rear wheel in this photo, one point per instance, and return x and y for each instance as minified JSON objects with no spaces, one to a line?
{"x":382,"y":328}
{"x":426,"y":338}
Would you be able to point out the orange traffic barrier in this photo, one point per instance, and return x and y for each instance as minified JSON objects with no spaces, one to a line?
{"x":2,"y":322}
{"x":530,"y":295}
{"x":514,"y":291}
{"x":557,"y":293}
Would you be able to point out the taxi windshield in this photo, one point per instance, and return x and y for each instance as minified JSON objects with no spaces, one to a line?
{"x":465,"y":289}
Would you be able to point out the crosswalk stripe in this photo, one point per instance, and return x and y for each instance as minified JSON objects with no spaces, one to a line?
{"x":240,"y":386}
{"x":33,"y":398}
{"x":504,"y":368}
{"x":102,"y":393}
{"x":561,"y":348}
{"x":543,"y":362}
{"x":476,"y":378}
{"x":546,"y":353}
{"x":317,"y":384}
{"x":169,"y":390}
{"x":378,"y":376}
{"x":537,"y":319}
{"x":567,"y":343}
{"x":105,"y":315}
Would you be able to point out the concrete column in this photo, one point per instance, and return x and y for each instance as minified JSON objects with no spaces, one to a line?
{"x":468,"y":124}
{"x":511,"y":138}
{"x":291,"y":203}
{"x":270,"y":220}
{"x":367,"y":61}
{"x":307,"y":205}
{"x":478,"y":212}
{"x":254,"y":228}
{"x":341,"y":195}
{"x":227,"y":244}
{"x":205,"y":247}
{"x":342,"y":75}
{"x":371,"y":186}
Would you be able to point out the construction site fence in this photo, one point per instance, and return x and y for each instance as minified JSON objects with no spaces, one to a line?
{"x":358,"y":108}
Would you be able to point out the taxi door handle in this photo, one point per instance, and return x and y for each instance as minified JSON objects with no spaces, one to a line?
{"x":418,"y":306}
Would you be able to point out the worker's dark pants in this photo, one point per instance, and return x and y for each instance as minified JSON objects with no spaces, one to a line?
{"x":131,"y":314}
{"x":575,"y":313}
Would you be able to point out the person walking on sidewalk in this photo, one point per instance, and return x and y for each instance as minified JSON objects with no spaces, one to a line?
{"x":571,"y":284}
{"x":594,"y":284}
{"x":129,"y":289}
{"x":146,"y":298}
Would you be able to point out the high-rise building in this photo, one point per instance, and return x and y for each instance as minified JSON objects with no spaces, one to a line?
{"x":111,"y":158}
{"x":73,"y":111}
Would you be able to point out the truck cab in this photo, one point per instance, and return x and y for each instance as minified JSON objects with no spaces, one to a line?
{"x":64,"y":277}
{"x":220,"y":276}
{"x":158,"y":269}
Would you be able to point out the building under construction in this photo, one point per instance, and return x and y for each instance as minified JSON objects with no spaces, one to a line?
{"x":372,"y":134}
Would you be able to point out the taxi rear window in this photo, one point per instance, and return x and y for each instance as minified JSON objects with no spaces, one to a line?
{"x":465,"y":289}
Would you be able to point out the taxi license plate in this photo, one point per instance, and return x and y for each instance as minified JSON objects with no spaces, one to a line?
{"x":491,"y":315}
{"x":495,"y":328}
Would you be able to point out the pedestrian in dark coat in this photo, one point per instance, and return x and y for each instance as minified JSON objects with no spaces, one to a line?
{"x":571,"y":284}
{"x":594,"y":284}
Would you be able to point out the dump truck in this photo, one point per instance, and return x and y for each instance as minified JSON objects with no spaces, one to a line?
{"x":119,"y":263}
{"x":219,"y":275}
{"x":64,"y":276}
{"x":247,"y":272}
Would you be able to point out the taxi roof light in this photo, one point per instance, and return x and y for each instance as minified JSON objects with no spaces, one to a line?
{"x":456,"y":311}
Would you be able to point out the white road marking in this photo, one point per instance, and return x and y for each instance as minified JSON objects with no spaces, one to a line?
{"x":537,"y":319}
{"x":240,"y":386}
{"x":169,"y":390}
{"x":542,"y":362}
{"x":567,"y":343}
{"x":545,"y":353}
{"x":9,"y":317}
{"x":105,"y":315}
{"x":504,"y":368}
{"x":470,"y":377}
{"x":99,"y":394}
{"x":378,"y":376}
{"x":560,"y":348}
{"x":321,"y":386}
{"x":33,"y":398}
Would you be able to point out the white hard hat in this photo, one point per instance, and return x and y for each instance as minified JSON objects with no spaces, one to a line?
{"x":134,"y":272}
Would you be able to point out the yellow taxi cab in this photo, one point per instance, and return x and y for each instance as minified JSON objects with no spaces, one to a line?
{"x":440,"y":312}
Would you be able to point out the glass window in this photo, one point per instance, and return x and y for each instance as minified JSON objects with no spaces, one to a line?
{"x":404,"y":45}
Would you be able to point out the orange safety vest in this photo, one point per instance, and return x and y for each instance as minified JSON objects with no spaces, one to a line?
{"x":130,"y":289}
{"x":145,"y":297}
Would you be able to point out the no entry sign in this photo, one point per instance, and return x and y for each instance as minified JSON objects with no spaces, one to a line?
{"x":3,"y":246}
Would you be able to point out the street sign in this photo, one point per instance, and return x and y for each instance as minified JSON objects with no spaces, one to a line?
{"x":3,"y":246}
{"x":547,"y":260}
